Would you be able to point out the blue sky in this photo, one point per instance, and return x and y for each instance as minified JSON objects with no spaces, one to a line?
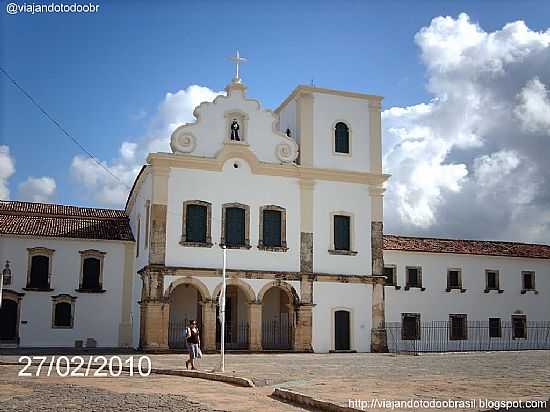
{"x":103,"y":75}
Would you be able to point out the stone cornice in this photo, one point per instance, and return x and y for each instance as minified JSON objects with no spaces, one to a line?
{"x":262,"y":168}
{"x":309,"y":89}
{"x":260,"y":274}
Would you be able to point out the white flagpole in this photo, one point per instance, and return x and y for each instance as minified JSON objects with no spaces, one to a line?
{"x":222,"y":312}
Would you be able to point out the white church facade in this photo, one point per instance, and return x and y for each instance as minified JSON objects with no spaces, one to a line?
{"x":296,"y":196}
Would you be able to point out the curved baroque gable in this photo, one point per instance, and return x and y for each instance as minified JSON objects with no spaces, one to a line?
{"x":212,"y":129}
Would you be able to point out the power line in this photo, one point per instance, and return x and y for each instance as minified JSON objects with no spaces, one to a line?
{"x":66,"y":133}
{"x":63,"y":130}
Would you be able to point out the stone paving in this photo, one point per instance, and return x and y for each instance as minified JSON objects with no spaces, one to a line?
{"x":40,"y":396}
{"x":342,"y":377}
{"x":125,"y":393}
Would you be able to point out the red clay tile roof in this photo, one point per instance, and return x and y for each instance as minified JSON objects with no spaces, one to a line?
{"x":49,"y":220}
{"x":466,"y":247}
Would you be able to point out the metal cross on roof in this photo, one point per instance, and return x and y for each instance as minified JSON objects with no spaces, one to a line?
{"x":237,"y":59}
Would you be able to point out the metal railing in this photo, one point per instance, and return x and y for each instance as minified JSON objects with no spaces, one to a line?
{"x":236,"y":335}
{"x":278,"y":332}
{"x":435,"y":336}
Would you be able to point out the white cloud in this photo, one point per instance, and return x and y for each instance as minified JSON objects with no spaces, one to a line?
{"x":471,"y":161}
{"x":128,"y":151}
{"x":37,"y":189}
{"x":107,"y":188}
{"x":534,"y":107}
{"x":490,"y":169}
{"x":7,"y":169}
{"x":98,"y":184}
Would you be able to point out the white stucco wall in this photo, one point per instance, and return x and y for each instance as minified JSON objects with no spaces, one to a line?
{"x":342,"y":197}
{"x":329,"y":109}
{"x":287,"y":120}
{"x":143,"y":194}
{"x":96,"y":315}
{"x":436,"y":304}
{"x":329,"y":297}
{"x":232,"y":185}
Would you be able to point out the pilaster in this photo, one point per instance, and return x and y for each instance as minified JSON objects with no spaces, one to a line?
{"x":375,"y":124}
{"x":304,"y":325}
{"x":306,"y":225}
{"x":304,"y":121}
{"x":155,"y":312}
{"x":255,"y":326}
{"x":306,"y":289}
{"x":157,"y":247}
{"x":209,"y":326}
{"x":378,"y":332}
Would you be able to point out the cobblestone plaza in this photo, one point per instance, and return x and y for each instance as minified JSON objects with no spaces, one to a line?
{"x":337,"y":378}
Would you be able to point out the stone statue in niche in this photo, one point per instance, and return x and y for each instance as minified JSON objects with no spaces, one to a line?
{"x":235,"y":131}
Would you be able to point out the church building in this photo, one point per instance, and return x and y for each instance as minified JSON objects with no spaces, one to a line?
{"x":296,"y":197}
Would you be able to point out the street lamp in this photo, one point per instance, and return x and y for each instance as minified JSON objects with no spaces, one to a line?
{"x":5,"y":275}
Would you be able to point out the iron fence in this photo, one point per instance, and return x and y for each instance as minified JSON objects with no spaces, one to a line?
{"x":236,"y":335}
{"x":436,"y":336}
{"x":278,"y":332}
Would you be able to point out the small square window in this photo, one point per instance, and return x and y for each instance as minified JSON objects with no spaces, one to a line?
{"x":454,"y":279}
{"x":196,"y":224}
{"x":410,"y":326}
{"x":272,"y":228}
{"x":458,"y":327}
{"x":414,"y":277}
{"x":63,"y":311}
{"x":519,"y":326}
{"x":39,"y":269}
{"x":390,"y":274}
{"x":528,"y":280}
{"x":492,"y":279}
{"x":342,"y":226}
{"x":341,"y":138}
{"x":495,"y":330}
{"x":235,"y":226}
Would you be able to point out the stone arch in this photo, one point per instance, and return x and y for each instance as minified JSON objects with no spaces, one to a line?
{"x":243,"y":286}
{"x":286,"y":287}
{"x":200,"y":286}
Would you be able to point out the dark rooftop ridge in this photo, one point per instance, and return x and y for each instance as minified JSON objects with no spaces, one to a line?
{"x":466,"y":246}
{"x":16,"y":207}
{"x":63,"y":221}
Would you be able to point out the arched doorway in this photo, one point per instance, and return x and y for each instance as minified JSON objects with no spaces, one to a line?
{"x":277,"y":318}
{"x":342,"y":330}
{"x":9,"y":318}
{"x":185,"y":305}
{"x":236,"y":318}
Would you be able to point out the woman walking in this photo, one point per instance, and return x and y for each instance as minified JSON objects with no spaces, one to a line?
{"x":193,"y":344}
